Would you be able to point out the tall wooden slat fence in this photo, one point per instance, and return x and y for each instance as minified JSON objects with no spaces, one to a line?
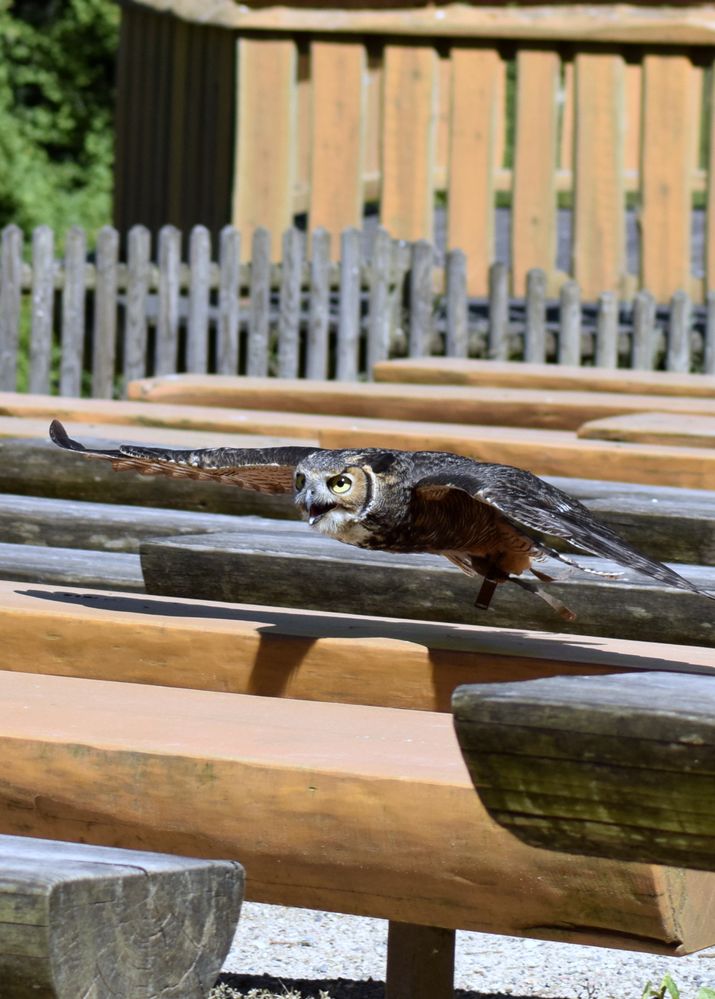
{"x":90,"y":322}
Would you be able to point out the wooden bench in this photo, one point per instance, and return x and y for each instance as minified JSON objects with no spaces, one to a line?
{"x":618,"y":766}
{"x":79,"y":920}
{"x":667,"y":429}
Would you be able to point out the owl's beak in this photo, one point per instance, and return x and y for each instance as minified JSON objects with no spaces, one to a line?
{"x":317,"y":510}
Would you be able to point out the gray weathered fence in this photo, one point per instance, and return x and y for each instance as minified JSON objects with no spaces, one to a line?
{"x":91,"y":321}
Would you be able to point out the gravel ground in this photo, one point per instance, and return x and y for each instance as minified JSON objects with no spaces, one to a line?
{"x":310,"y":950}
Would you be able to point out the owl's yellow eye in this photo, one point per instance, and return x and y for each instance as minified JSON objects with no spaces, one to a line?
{"x":340,"y":484}
{"x":299,"y":481}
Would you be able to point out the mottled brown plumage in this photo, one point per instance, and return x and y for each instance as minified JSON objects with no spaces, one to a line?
{"x":490,"y":520}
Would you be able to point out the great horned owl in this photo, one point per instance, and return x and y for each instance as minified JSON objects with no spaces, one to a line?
{"x":490,"y":520}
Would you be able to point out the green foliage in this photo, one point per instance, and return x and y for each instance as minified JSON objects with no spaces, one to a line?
{"x":56,"y":102}
{"x":668,"y":988}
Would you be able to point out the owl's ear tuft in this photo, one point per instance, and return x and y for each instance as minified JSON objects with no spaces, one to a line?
{"x":382,"y":462}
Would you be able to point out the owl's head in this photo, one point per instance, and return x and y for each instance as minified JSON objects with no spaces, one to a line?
{"x":337,"y":490}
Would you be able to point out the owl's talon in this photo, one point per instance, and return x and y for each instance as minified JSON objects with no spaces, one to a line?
{"x":486,"y":592}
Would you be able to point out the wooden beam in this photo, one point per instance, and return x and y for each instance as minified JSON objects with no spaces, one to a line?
{"x":420,"y":962}
{"x":329,"y":806}
{"x":654,"y":428}
{"x":692,"y":25}
{"x":621,"y":767}
{"x":80,"y":920}
{"x":562,"y":377}
{"x":294,"y":653}
{"x":298,"y":569}
{"x":71,"y":567}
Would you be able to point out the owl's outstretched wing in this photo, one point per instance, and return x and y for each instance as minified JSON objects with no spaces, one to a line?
{"x":541,"y":511}
{"x":263,"y":469}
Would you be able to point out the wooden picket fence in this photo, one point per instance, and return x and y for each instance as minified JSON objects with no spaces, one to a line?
{"x":89,"y":323}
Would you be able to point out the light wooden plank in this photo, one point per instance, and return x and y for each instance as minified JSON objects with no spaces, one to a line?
{"x":10,"y":299}
{"x":378,"y":332}
{"x":710,"y":202}
{"x":104,"y":333}
{"x":606,"y":352}
{"x":568,"y":114}
{"x":316,"y":362}
{"x":678,"y":355}
{"x":167,"y":326}
{"x":420,"y":331}
{"x":266,"y":132}
{"x":633,"y":80}
{"x":456,"y":340}
{"x":569,"y":349}
{"x":206,"y":774}
{"x":348,"y":339}
{"x":653,"y":428}
{"x":43,"y":297}
{"x":135,"y":316}
{"x":373,"y":122}
{"x":535,"y":329}
{"x":197,"y":333}
{"x":229,"y":310}
{"x":534,"y":192}
{"x":498,"y":336}
{"x":442,"y":124}
{"x":666,"y":167}
{"x":338,"y":71}
{"x":73,"y":311}
{"x":258,"y":315}
{"x":289,"y":313}
{"x":643,"y":342}
{"x":472,"y":166}
{"x":71,"y":567}
{"x":304,"y":129}
{"x":599,"y":203}
{"x":620,"y":767}
{"x":408,"y":141}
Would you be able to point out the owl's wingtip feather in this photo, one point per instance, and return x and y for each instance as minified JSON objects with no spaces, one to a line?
{"x":60,"y":437}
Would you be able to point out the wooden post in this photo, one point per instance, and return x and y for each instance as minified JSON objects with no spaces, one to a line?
{"x":420,"y":962}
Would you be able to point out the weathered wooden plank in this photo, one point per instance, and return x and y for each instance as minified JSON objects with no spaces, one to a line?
{"x":43,"y":296}
{"x":167,"y":326}
{"x":298,"y":570}
{"x":420,"y":962}
{"x":164,"y":919}
{"x":289,"y":318}
{"x":316,"y":361}
{"x":643,"y":343}
{"x":666,"y":167}
{"x":348,"y":339}
{"x":229,"y":311}
{"x":681,"y":316}
{"x":498,"y":346}
{"x":710,"y":200}
{"x":197,"y":334}
{"x":10,"y":299}
{"x":378,"y":328}
{"x":73,"y":311}
{"x":408,"y":141}
{"x":444,"y":371}
{"x":599,"y":202}
{"x":258,"y":313}
{"x":456,"y":340}
{"x":135,"y":321}
{"x":104,"y":333}
{"x":534,"y":192}
{"x":621,"y":767}
{"x":206,"y":773}
{"x":266,"y":131}
{"x":472,"y":159}
{"x":569,"y":348}
{"x":420,"y":331}
{"x":338,"y":73}
{"x":535,"y":329}
{"x":606,"y":353}
{"x":709,"y":339}
{"x":654,"y":428}
{"x":71,"y":567}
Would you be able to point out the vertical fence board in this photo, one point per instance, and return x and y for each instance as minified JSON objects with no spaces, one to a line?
{"x":421,"y":295}
{"x":408,"y":141}
{"x":535,"y":332}
{"x":470,"y":202}
{"x":258,"y":315}
{"x":10,"y":299}
{"x":568,"y":101}
{"x":710,"y":206}
{"x":197,"y":333}
{"x":43,"y":297}
{"x":534,"y":186}
{"x":606,"y":353}
{"x":497,"y":337}
{"x":338,"y":141}
{"x":378,"y":331}
{"x":167,"y":326}
{"x":633,"y":80}
{"x":104,"y":333}
{"x":677,"y":357}
{"x":348,"y":344}
{"x":73,"y":312}
{"x":229,"y":299}
{"x":569,"y":349}
{"x":709,"y":338}
{"x":456,"y":343}
{"x":316,"y":361}
{"x":643,"y":336}
{"x":266,"y":132}
{"x":599,"y":204}
{"x":135,"y":324}
{"x":666,"y":162}
{"x":289,"y":316}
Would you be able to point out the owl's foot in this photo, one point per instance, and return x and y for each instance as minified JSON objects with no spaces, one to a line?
{"x":526,"y":584}
{"x":486,"y":592}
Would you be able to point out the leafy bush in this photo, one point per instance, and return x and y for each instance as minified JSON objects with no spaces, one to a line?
{"x":57,"y":60}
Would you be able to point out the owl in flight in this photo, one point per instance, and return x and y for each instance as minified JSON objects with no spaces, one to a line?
{"x":490,"y":520}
